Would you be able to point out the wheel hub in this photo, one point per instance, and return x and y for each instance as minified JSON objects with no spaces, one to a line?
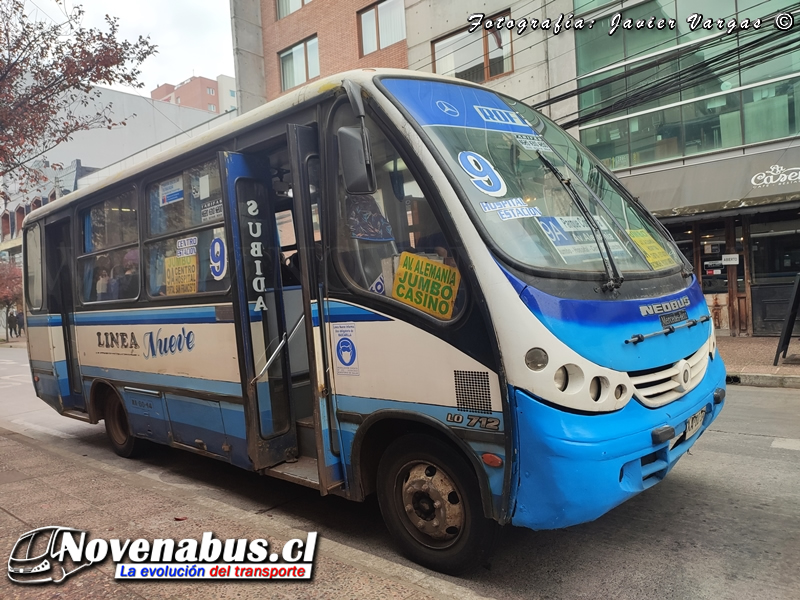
{"x":432,"y":502}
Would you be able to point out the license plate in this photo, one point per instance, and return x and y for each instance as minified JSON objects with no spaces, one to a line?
{"x":694,"y":422}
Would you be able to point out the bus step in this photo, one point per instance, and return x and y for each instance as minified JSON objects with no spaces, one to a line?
{"x":304,"y":472}
{"x":77,"y":414}
{"x":306,"y":440}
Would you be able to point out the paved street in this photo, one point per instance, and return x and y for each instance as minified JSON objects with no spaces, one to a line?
{"x":724,"y":524}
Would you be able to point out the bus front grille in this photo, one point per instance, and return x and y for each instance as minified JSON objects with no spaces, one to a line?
{"x":662,"y":385}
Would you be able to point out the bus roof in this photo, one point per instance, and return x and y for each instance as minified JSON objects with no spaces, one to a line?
{"x":228,"y":130}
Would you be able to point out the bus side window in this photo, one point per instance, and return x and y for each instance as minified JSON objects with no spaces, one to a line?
{"x":390,"y":243}
{"x":109,"y":267}
{"x":187,"y":253}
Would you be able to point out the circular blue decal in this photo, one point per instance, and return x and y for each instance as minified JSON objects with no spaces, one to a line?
{"x":346,"y":351}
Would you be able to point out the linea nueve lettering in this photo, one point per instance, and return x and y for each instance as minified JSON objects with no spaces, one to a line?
{"x":155,"y":345}
{"x":117,"y":339}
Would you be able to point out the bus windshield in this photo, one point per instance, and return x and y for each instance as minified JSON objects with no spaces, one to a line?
{"x":540,"y":198}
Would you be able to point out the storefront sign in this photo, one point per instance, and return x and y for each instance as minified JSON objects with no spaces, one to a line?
{"x":730,"y":259}
{"x":776,"y":175}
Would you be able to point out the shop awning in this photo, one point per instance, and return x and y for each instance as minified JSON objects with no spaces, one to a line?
{"x":729,"y":184}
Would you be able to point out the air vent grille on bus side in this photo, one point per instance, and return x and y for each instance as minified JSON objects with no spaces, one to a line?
{"x":662,"y":385}
{"x":473,"y":393}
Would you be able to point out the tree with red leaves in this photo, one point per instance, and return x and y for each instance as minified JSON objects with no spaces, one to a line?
{"x":48,"y":71}
{"x":10,"y":288}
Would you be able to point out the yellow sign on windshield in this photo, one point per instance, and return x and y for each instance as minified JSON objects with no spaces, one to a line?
{"x":652,"y":250}
{"x":426,"y":284}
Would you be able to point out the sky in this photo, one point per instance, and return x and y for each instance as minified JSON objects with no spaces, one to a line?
{"x":193,"y":36}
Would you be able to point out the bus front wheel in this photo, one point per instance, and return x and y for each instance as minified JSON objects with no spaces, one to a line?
{"x":429,"y":499}
{"x":117,"y":428}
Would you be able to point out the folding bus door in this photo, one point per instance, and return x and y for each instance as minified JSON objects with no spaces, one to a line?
{"x":261,"y":314}
{"x":61,"y":306}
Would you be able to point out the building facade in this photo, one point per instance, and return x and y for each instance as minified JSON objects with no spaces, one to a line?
{"x":304,"y":40}
{"x":202,"y":93}
{"x":69,"y":162}
{"x":701,"y":124}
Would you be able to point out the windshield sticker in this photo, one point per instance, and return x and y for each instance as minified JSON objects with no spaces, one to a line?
{"x":500,"y":115}
{"x":574,"y":240}
{"x":426,"y":285}
{"x":515,"y":208}
{"x":532,"y":142}
{"x":171,"y":190}
{"x":218,"y":261}
{"x":483,"y":175}
{"x":186,"y":246}
{"x":211,"y":210}
{"x":378,"y":286}
{"x":652,"y":250}
{"x":181,"y":274}
{"x":433,"y":103}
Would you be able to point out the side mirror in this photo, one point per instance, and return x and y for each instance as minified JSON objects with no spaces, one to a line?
{"x":356,"y":160}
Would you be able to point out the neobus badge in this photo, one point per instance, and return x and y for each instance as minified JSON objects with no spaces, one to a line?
{"x":662,"y":307}
{"x":257,"y":251}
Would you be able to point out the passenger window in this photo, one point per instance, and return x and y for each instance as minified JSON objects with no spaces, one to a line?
{"x":191,"y":263}
{"x":194,"y":259}
{"x":109,"y":269}
{"x":186,"y":200}
{"x":390,"y":243}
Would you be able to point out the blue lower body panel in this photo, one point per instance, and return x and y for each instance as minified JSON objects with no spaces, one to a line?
{"x":575,"y":468}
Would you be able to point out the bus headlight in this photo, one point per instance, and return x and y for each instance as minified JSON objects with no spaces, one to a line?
{"x":536,"y":359}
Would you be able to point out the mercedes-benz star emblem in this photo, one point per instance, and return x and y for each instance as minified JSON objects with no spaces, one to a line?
{"x":447,"y":108}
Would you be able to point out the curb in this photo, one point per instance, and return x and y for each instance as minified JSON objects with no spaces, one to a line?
{"x":764,"y":380}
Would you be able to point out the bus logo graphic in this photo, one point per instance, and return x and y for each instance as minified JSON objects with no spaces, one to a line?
{"x":346,"y":351}
{"x":664,"y":307}
{"x":38,"y":556}
{"x":447,"y":108}
{"x":498,"y":115}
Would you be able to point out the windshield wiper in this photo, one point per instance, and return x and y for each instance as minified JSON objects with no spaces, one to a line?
{"x":615,"y":278}
{"x":687,"y":268}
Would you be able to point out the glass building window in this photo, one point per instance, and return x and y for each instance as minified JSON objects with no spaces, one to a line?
{"x":382,"y":25}
{"x":287,"y":7}
{"x":299,"y":63}
{"x":477,"y":56}
{"x":712,"y":124}
{"x":771,"y":111}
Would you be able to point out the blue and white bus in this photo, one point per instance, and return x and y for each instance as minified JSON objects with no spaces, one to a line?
{"x":383,"y":282}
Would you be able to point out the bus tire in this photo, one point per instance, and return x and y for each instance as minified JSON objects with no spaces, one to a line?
{"x":118,"y":428}
{"x":430,"y":501}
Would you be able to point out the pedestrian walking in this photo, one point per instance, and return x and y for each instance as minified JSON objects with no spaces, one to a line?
{"x":20,"y":323}
{"x":12,"y":324}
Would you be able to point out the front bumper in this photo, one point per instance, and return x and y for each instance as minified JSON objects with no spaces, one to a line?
{"x":574,"y":468}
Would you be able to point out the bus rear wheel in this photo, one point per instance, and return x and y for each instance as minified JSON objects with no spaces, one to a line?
{"x":430,"y":501}
{"x":118,"y":429}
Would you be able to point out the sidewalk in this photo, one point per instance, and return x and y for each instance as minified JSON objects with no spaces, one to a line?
{"x":750,"y":360}
{"x":13,"y":342}
{"x":41,"y":486}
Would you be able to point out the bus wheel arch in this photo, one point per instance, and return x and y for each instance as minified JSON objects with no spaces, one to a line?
{"x":377,"y":432}
{"x":106,"y":404}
